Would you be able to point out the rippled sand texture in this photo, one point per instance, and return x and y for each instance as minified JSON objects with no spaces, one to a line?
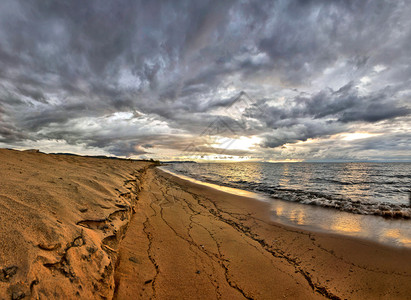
{"x":188,"y":241}
{"x":61,"y":218}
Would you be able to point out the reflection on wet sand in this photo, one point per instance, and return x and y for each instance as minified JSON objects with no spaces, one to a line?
{"x":391,"y":232}
{"x":298,"y":216}
{"x":278,"y":211}
{"x":396,"y":234}
{"x":347,"y":225}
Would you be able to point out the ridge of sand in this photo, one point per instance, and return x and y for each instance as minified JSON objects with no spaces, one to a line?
{"x":61,"y":219}
{"x":188,"y":241}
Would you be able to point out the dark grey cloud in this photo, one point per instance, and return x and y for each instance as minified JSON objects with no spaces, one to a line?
{"x":396,"y":146}
{"x":126,"y":148}
{"x":327,"y":112}
{"x":300,"y":132}
{"x":314,"y":69}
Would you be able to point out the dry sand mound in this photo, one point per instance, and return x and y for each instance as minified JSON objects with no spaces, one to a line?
{"x":61,"y":219}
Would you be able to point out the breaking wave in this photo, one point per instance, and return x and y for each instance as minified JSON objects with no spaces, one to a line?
{"x":379,"y":189}
{"x":384,"y":209}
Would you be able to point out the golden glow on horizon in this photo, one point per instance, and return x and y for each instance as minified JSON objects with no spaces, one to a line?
{"x":243,"y":143}
{"x":348,"y":136}
{"x":305,"y":142}
{"x":217,"y":158}
{"x":246,"y":148}
{"x":357,"y":135}
{"x":288,"y":160}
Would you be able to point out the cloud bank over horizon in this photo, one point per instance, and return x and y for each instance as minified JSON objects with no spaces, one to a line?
{"x":266,"y":80}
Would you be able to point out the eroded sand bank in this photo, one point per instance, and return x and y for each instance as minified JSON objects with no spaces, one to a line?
{"x":188,"y":241}
{"x":61,"y":218}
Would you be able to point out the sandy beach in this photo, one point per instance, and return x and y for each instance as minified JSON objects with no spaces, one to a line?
{"x":90,"y":228}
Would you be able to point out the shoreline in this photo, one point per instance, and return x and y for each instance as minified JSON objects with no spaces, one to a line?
{"x":193,"y":240}
{"x":389,"y":232}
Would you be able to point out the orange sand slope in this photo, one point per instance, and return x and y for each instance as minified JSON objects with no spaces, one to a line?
{"x":61,"y":216}
{"x":187,"y":241}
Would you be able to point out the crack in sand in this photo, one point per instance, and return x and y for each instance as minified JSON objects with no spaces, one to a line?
{"x":279,"y":254}
{"x":150,"y":256}
{"x":222,"y":262}
{"x":63,"y":265}
{"x":214,"y":257}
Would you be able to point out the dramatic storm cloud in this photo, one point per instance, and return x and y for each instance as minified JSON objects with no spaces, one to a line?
{"x":265,"y":80}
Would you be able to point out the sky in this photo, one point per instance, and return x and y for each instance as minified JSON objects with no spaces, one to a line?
{"x":208,"y":80}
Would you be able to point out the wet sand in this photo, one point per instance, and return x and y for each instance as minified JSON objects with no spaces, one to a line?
{"x":188,"y":241}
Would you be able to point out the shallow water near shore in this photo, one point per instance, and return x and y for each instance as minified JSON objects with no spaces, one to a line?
{"x":391,"y":232}
{"x":361,"y":188}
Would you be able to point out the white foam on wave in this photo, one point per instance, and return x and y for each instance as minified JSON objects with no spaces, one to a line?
{"x":384,"y":209}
